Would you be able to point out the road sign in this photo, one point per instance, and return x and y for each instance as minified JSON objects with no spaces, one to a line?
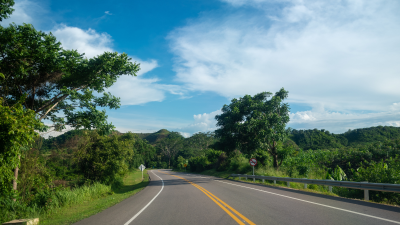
{"x":253,"y":161}
{"x":185,"y":165}
{"x":142,"y":167}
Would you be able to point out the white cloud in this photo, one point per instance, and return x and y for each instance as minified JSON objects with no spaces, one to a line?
{"x":24,"y":12}
{"x":86,"y":41}
{"x":342,"y":55}
{"x":131,"y":90}
{"x":108,"y":13}
{"x":338,"y":122}
{"x":202,"y":123}
{"x":136,"y":90}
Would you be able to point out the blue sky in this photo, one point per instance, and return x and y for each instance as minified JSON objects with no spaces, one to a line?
{"x":338,"y":59}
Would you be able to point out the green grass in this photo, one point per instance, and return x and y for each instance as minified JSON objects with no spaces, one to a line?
{"x":322,"y":189}
{"x":70,"y":214}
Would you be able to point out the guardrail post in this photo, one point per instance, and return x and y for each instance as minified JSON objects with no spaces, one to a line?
{"x":274,"y":181}
{"x":330,"y":188}
{"x":254,"y":179}
{"x":240,"y":178}
{"x":288,"y":184}
{"x":246,"y":178}
{"x":263,"y":180}
{"x":305,"y":185}
{"x":366,"y":192}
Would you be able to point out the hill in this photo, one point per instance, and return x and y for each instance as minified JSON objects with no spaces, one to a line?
{"x":322,"y":139}
{"x":154,"y":138}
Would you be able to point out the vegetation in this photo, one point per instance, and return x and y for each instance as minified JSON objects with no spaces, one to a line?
{"x":39,"y":80}
{"x":255,"y":123}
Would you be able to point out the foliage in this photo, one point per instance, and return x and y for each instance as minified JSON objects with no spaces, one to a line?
{"x":105,"y":159}
{"x":5,"y":8}
{"x":58,"y":80}
{"x":252,"y":123}
{"x":322,"y":139}
{"x":16,"y":135}
{"x":170,"y":146}
{"x":198,"y":143}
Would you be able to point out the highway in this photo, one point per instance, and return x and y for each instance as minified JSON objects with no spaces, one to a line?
{"x":180,"y":198}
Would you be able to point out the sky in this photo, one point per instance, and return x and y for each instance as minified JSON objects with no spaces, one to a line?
{"x":339,"y":59}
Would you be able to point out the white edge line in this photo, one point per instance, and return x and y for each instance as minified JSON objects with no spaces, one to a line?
{"x":362,"y":214}
{"x":137,"y":214}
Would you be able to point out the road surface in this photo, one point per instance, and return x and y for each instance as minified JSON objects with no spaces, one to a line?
{"x":180,"y":198}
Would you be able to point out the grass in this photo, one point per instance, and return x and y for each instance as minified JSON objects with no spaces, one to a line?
{"x":321,"y":189}
{"x":70,"y":214}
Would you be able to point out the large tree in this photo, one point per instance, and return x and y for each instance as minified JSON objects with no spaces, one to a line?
{"x":60,"y":84}
{"x":5,"y":8}
{"x":255,"y":122}
{"x":53,"y":83}
{"x":171,"y":145}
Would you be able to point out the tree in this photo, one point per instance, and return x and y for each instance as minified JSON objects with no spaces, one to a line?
{"x":16,"y":134}
{"x":198,"y":143}
{"x":5,"y":8}
{"x":171,"y":145}
{"x":48,"y":81}
{"x":251,"y":123}
{"x":104,"y":158}
{"x":58,"y":80}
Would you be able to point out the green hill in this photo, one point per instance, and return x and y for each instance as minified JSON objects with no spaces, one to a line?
{"x":322,"y":139}
{"x":156,"y":137}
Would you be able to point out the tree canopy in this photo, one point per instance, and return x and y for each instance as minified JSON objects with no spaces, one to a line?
{"x":5,"y":8}
{"x":254,"y":122}
{"x":56,"y":81}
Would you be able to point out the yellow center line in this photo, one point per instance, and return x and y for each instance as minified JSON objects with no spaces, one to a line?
{"x":218,"y":202}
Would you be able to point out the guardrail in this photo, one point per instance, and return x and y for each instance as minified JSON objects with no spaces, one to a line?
{"x":346,"y":184}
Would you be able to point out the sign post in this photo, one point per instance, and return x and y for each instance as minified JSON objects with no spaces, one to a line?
{"x":253,"y":162}
{"x":142,"y":167}
{"x":185,"y":165}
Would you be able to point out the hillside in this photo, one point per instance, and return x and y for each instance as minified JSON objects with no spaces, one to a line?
{"x":322,"y":139}
{"x":156,"y":137}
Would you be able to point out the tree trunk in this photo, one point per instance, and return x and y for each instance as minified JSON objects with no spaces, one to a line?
{"x":16,"y":177}
{"x":275,"y":156}
{"x":276,"y":165}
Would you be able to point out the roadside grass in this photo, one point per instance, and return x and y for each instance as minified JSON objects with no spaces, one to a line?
{"x":132,"y":183}
{"x":321,"y":189}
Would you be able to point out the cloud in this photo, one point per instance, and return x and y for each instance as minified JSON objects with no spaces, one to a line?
{"x":202,"y":123}
{"x":338,"y":55}
{"x":24,"y":12}
{"x":131,"y":90}
{"x":338,"y":122}
{"x":108,"y":13}
{"x":136,"y":90}
{"x":86,"y":41}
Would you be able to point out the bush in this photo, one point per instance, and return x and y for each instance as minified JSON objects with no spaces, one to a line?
{"x":198,"y":164}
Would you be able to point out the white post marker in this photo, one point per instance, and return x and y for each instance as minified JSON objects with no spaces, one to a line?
{"x":142,"y":167}
{"x":253,"y":162}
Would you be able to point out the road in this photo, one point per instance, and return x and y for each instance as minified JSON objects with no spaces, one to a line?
{"x":180,"y":198}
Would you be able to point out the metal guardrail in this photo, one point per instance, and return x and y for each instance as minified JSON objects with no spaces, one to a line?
{"x":346,"y":184}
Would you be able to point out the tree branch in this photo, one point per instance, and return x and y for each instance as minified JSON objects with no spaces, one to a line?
{"x":44,"y":115}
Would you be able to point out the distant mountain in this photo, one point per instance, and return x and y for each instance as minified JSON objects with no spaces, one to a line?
{"x":154,"y":138}
{"x":322,"y":139}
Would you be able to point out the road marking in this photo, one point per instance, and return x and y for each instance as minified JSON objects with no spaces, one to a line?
{"x":332,"y":207}
{"x":218,"y":202}
{"x":137,"y":214}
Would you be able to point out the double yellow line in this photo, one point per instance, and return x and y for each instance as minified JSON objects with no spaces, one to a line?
{"x":220,"y":203}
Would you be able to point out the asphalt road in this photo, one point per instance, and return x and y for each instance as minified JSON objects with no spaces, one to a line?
{"x":179,"y":198}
